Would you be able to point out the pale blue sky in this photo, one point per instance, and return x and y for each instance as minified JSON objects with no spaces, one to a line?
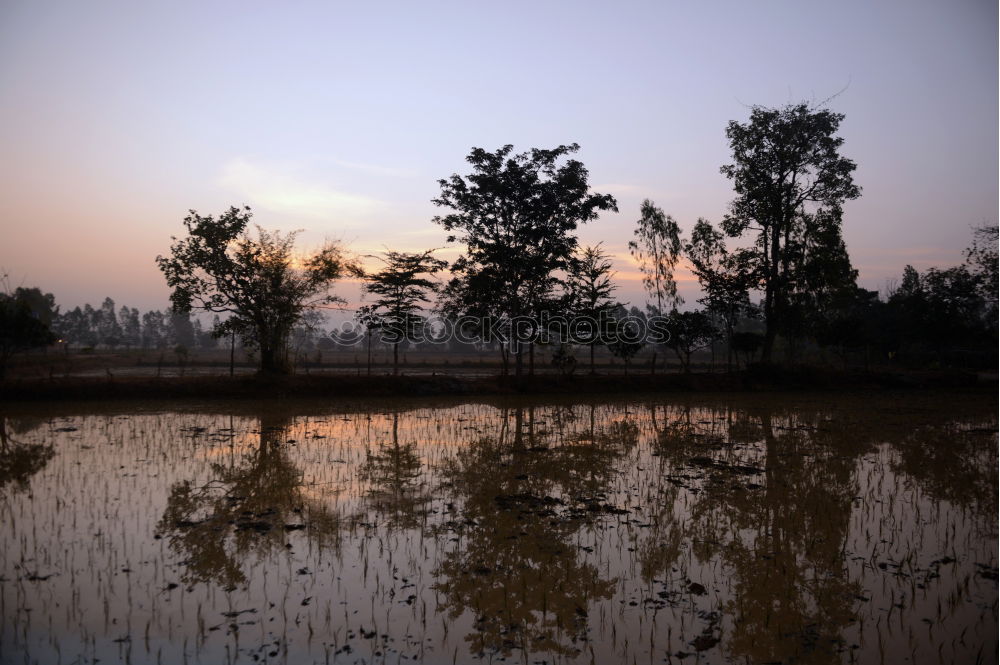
{"x":339,"y":118}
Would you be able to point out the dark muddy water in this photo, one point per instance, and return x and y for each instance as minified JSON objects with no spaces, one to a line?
{"x":777,"y":529}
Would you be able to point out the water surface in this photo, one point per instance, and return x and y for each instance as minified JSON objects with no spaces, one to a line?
{"x":769,"y":529}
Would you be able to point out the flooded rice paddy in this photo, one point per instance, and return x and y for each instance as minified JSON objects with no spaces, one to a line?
{"x":647,"y":530}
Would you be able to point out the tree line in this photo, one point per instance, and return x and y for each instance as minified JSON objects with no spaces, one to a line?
{"x":775,"y":273}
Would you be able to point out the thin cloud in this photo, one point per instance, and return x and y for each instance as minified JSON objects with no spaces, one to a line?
{"x":282,"y":191}
{"x":616,"y":188}
{"x":376,"y":169}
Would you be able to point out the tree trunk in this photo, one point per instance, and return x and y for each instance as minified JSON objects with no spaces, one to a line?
{"x":395,"y":359}
{"x":729,"y":346}
{"x":369,"y":352}
{"x":769,"y":335}
{"x":770,"y":296}
{"x":268,"y":361}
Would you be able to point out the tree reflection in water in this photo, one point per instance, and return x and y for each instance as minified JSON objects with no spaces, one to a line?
{"x":20,"y":461}
{"x":515,"y":566}
{"x":772,"y":500}
{"x":755,"y":529}
{"x":952,"y":462}
{"x":249,"y":508}
{"x":394,"y":473}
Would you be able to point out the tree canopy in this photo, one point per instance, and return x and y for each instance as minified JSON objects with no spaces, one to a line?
{"x":791,"y":183}
{"x":255,"y":278}
{"x":725,"y":286}
{"x":25,"y":315}
{"x":657,"y":249}
{"x":399,"y":289}
{"x":590,"y":288}
{"x":516,"y":214}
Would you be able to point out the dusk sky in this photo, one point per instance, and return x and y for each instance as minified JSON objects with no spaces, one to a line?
{"x":339,"y":118}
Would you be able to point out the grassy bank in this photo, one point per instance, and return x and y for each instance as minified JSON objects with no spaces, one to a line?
{"x":756,"y":379}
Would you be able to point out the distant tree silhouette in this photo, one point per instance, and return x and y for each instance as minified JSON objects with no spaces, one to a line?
{"x":21,"y":328}
{"x":821,"y":279}
{"x":851,"y":322}
{"x":657,"y":249}
{"x":725,"y":287}
{"x":128,"y":321}
{"x":109,"y":332}
{"x":689,"y":332}
{"x":790,"y":182}
{"x":220,"y":267}
{"x":181,"y":329}
{"x":516,"y":215}
{"x":627,"y":340}
{"x":42,"y":305}
{"x":981,"y":258}
{"x":940,"y":309}
{"x":747,"y":343}
{"x":590,"y":288}
{"x":153,"y":330}
{"x":399,"y":289}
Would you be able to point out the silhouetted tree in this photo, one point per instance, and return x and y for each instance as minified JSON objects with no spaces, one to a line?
{"x":516,"y":214}
{"x":42,"y":305}
{"x":657,"y":249}
{"x":851,"y":321}
{"x":590,"y":287}
{"x":109,"y":332}
{"x":21,"y":328}
{"x":747,"y":343}
{"x":71,"y":326}
{"x":790,"y":182}
{"x":181,"y":328}
{"x":258,"y":281}
{"x":981,"y":258}
{"x":128,"y":322}
{"x":940,"y":308}
{"x":724,"y":285}
{"x":399,"y":289}
{"x":627,"y":340}
{"x":153,"y":330}
{"x":689,"y":332}
{"x":823,"y":279}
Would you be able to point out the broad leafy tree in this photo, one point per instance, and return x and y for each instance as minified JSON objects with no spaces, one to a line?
{"x":724,"y":284}
{"x":254,"y":278}
{"x":21,"y":327}
{"x":941,"y":309}
{"x":628,"y":338}
{"x":789,"y":176}
{"x":516,"y":214}
{"x":689,"y":332}
{"x":821,"y":280}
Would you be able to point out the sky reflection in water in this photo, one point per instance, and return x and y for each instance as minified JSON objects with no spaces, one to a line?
{"x":769,"y":529}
